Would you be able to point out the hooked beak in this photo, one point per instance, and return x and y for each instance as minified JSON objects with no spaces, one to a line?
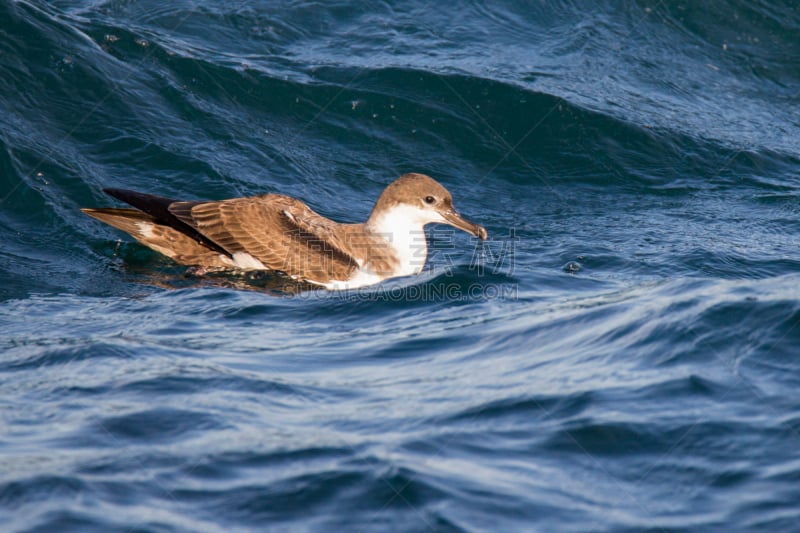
{"x":454,"y":219}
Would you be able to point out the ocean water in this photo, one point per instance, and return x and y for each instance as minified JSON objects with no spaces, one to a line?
{"x":621,"y":355}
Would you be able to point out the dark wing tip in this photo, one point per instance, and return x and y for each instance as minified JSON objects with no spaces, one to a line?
{"x":119,"y":194}
{"x":133,"y":198}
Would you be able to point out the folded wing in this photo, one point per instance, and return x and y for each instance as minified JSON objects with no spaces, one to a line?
{"x":280,"y":232}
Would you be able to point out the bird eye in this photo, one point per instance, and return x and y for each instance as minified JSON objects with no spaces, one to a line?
{"x":430,"y":199}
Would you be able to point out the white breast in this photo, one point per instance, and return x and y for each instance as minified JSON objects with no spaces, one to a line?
{"x":402,"y":227}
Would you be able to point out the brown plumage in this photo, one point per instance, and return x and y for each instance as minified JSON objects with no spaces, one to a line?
{"x":277,"y":232}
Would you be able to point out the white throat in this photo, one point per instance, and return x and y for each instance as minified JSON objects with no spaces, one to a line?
{"x":402,"y":227}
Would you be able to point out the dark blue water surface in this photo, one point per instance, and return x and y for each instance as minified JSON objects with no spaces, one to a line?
{"x":623,"y":354}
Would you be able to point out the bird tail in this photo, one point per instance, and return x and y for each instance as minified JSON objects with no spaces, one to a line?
{"x":131,"y":221}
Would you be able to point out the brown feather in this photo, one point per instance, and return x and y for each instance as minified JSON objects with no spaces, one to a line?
{"x":281,"y":232}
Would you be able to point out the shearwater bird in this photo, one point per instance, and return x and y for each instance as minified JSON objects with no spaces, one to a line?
{"x":280,"y":233}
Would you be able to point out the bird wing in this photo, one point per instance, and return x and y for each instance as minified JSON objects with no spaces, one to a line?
{"x":281,"y":232}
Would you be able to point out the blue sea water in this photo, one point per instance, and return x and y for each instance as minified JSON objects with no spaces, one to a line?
{"x":622,"y":355}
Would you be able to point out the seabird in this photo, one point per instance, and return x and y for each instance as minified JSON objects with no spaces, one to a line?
{"x":280,"y":233}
